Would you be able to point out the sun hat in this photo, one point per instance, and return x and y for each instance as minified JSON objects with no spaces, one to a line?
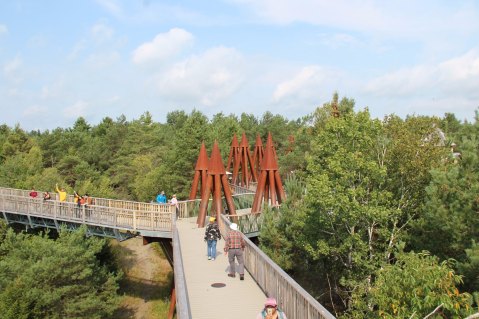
{"x":234,"y":226}
{"x":270,"y":302}
{"x":212,"y":219}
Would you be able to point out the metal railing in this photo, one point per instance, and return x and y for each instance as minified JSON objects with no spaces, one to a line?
{"x":183,"y":310}
{"x":275,"y":282}
{"x":17,"y":202}
{"x":120,"y":213}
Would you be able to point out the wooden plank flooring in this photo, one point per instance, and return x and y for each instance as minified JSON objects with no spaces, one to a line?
{"x":237,"y":300}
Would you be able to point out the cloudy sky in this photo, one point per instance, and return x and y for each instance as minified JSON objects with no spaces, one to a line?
{"x":95,"y":58}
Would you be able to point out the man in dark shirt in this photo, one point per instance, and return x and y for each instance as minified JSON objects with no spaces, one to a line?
{"x":234,"y":246}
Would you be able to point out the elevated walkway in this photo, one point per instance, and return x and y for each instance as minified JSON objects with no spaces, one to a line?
{"x":194,"y":274}
{"x":236,"y":300}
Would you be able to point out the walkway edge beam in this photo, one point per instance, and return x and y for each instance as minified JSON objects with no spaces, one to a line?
{"x":183,"y":310}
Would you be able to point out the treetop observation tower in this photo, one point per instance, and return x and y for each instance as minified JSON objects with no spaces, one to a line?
{"x":214,"y":182}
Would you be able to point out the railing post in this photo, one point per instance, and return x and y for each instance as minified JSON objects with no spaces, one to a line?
{"x":83,"y":213}
{"x":134,"y":220}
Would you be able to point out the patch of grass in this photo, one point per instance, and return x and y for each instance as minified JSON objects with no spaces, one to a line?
{"x":146,"y":285}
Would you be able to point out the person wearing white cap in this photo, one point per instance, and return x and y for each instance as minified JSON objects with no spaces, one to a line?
{"x":234,"y":246}
{"x":271,"y":311}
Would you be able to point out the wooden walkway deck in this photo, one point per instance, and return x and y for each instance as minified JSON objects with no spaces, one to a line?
{"x":237,"y":300}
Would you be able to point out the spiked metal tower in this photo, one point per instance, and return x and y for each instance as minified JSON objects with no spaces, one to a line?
{"x":234,"y":152}
{"x":244,"y":164}
{"x":200,"y":172}
{"x":258,"y":154}
{"x":270,"y":189}
{"x":215,"y":181}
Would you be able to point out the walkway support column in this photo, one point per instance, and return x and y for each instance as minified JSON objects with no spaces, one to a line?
{"x":200,"y":172}
{"x":215,"y":182}
{"x":269,"y":187}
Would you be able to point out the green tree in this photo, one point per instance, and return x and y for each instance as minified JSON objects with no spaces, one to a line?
{"x":414,"y":286}
{"x":411,"y":148}
{"x":449,"y":220}
{"x":46,"y":278}
{"x":348,"y":224}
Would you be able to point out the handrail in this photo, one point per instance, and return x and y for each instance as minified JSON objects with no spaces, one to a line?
{"x":98,"y":201}
{"x":183,"y":310}
{"x":120,"y":218}
{"x":275,"y":282}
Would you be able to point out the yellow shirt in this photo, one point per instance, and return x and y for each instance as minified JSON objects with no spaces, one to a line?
{"x":62,"y":194}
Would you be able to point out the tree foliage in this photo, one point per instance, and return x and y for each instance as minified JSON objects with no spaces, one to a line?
{"x":414,"y":286}
{"x":63,"y":278}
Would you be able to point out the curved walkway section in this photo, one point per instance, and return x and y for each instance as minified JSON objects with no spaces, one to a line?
{"x":236,"y":300}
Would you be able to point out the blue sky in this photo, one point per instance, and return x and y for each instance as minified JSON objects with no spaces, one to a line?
{"x":95,"y":58}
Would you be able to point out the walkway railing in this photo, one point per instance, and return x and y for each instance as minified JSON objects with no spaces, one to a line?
{"x":123,"y":214}
{"x":275,"y":282}
{"x":18,"y":202}
{"x":183,"y":310}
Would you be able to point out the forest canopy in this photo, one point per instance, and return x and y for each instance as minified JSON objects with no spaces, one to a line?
{"x":375,"y":207}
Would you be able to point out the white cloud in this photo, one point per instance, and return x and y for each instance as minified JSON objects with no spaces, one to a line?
{"x":35,"y":110}
{"x":386,"y":18}
{"x":12,"y":66}
{"x":79,"y":47}
{"x":112,"y":6}
{"x":455,"y":77}
{"x":101,"y":32}
{"x":307,"y":84}
{"x":407,"y":81}
{"x":337,"y":40}
{"x":54,"y":90}
{"x":102,"y":59}
{"x":163,"y":46}
{"x":76,"y":110}
{"x":3,"y":29}
{"x":206,"y":79}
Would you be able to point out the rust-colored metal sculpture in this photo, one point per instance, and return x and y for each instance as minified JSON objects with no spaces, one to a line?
{"x":215,"y":181}
{"x":234,"y":152}
{"x":200,"y":172}
{"x":258,"y":154}
{"x":270,"y":189}
{"x":334,"y":106}
{"x":244,"y":164}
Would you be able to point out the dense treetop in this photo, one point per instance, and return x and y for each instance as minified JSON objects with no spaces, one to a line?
{"x":375,"y":206}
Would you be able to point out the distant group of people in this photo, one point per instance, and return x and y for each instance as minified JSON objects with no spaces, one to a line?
{"x":234,"y":248}
{"x":161,"y":199}
{"x":34,"y":194}
{"x":62,"y":196}
{"x":81,"y":200}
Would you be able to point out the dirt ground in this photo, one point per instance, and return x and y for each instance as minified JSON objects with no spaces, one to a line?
{"x":147,"y":282}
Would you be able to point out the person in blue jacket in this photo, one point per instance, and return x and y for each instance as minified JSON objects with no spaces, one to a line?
{"x":161,"y":198}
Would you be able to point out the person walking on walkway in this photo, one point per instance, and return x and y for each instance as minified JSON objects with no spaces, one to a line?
{"x":271,"y":311}
{"x":212,"y":235}
{"x":234,"y":246}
